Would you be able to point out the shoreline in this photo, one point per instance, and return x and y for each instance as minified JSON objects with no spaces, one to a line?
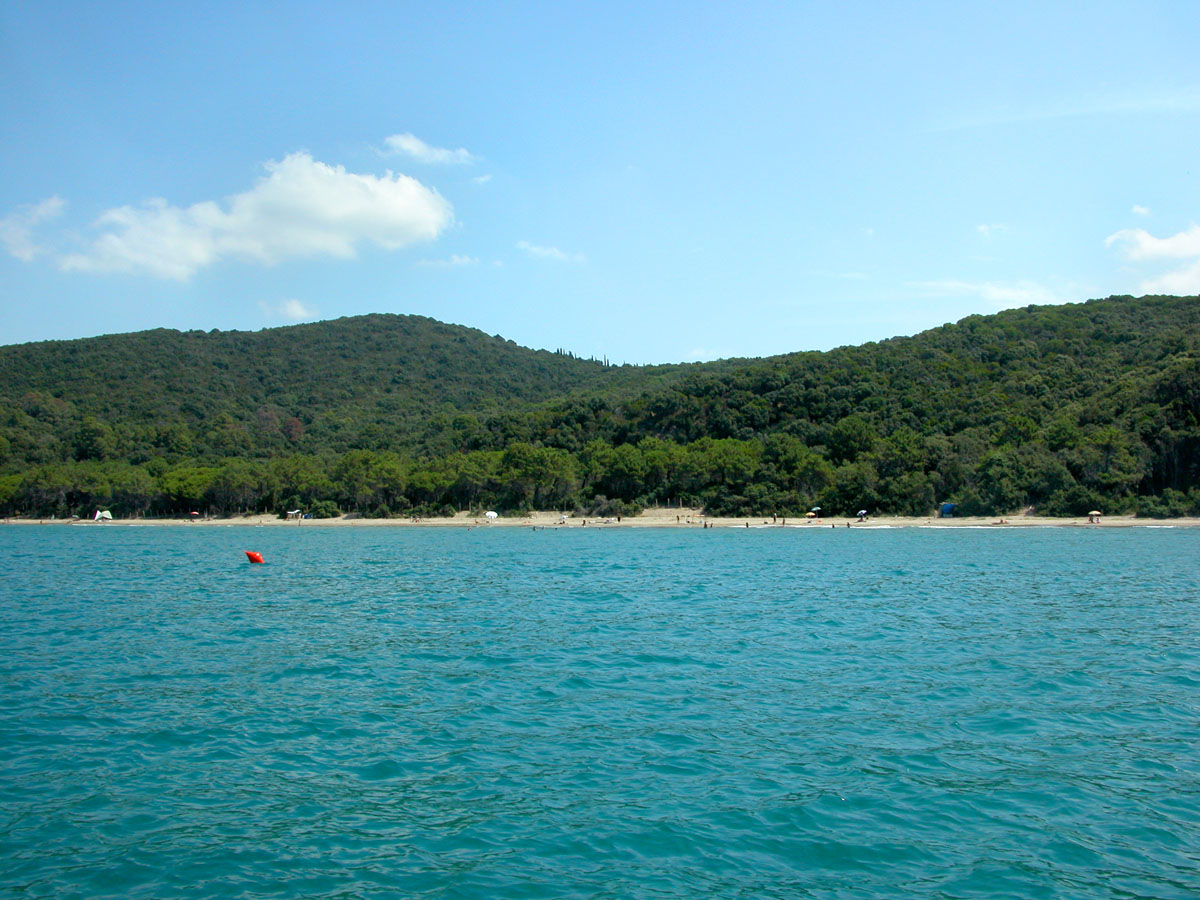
{"x":650,"y":518}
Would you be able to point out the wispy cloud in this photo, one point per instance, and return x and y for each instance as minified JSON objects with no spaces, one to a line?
{"x":301,"y":208}
{"x":457,"y":259}
{"x":16,"y":229}
{"x":1000,"y":295}
{"x":292,"y":310}
{"x":549,"y":252}
{"x":412,"y":146}
{"x":1118,"y":103}
{"x":1182,"y":281}
{"x":988,"y":230}
{"x":843,"y":276}
{"x":482,"y":179}
{"x":1140,"y":210}
{"x":702,"y":354}
{"x":1138,"y":245}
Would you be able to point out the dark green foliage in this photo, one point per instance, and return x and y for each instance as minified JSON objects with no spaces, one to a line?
{"x":1062,"y":409}
{"x":324,"y":509}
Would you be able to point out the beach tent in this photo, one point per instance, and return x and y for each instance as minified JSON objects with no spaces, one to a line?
{"x":102,"y":515}
{"x":947,"y":510}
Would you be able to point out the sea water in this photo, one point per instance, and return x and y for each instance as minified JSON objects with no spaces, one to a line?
{"x":601,"y":713}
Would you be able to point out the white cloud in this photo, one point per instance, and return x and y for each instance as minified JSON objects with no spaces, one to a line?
{"x":1181,"y":281}
{"x":1140,"y":210}
{"x":16,"y":229}
{"x":988,"y":230}
{"x":482,"y":179}
{"x":1138,"y":245}
{"x":301,"y":208}
{"x":549,"y":252}
{"x":412,"y":146}
{"x":293,"y":310}
{"x":999,"y":294}
{"x":456,"y":259}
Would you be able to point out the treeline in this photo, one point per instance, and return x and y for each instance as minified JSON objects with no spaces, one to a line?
{"x":1064,"y":409}
{"x":903,"y":473}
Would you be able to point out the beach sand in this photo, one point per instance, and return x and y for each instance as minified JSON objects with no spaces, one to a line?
{"x":650,"y":518}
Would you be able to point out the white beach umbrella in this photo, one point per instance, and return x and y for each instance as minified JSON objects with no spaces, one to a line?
{"x":492,"y":514}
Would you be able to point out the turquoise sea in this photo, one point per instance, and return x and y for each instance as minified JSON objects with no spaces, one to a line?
{"x":599,"y":713}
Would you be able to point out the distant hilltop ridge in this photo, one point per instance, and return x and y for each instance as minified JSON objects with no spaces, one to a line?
{"x":1060,"y":408}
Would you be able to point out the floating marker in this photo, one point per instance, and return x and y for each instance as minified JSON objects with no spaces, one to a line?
{"x":252,"y":556}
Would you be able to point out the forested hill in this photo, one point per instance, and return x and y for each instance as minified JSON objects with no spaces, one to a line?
{"x":333,"y":385}
{"x":1061,"y":408}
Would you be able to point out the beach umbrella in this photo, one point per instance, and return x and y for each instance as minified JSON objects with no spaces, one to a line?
{"x":193,"y":513}
{"x":816,"y":509}
{"x":492,"y":514}
{"x":810,"y":515}
{"x":861,"y":513}
{"x":1095,"y":512}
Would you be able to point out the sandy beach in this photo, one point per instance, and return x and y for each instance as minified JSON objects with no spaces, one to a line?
{"x":650,"y":518}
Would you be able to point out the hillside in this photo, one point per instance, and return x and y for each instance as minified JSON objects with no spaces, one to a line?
{"x":1062,"y":408}
{"x":374,"y":380}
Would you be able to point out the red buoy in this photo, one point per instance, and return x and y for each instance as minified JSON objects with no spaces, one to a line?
{"x":252,"y":556}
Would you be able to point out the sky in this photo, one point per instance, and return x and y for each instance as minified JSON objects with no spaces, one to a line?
{"x":642,"y":182}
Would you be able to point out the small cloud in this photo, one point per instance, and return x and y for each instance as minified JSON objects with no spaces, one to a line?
{"x":412,"y":146}
{"x":1140,"y":210}
{"x":482,"y":179}
{"x":549,"y":252}
{"x":457,"y":259}
{"x":1000,"y":295}
{"x":301,"y":208}
{"x":293,"y":310}
{"x":988,"y":230}
{"x":1138,"y":245}
{"x":16,"y":229}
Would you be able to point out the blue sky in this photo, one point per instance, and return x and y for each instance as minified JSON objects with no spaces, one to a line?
{"x":647,"y":182}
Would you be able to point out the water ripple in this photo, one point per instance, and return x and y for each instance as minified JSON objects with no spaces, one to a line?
{"x":602,"y":714}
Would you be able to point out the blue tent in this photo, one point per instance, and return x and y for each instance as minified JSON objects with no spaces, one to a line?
{"x":947,"y":510}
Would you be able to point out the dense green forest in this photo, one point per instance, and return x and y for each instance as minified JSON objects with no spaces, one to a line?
{"x":1059,"y":408}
